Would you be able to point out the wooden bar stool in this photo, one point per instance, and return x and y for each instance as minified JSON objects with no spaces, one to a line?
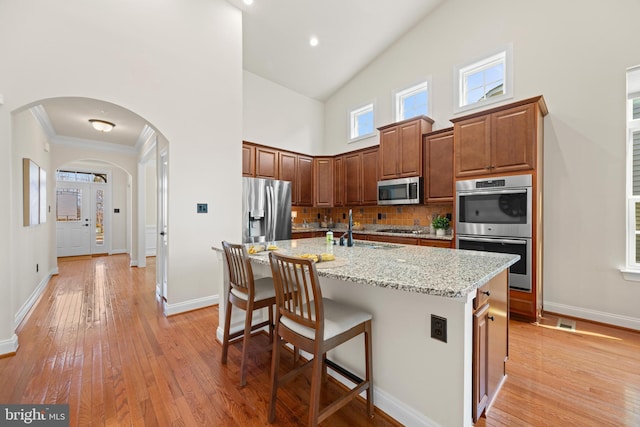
{"x":248,"y":294}
{"x":315,"y":325}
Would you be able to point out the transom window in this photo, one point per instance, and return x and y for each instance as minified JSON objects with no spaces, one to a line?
{"x":483,"y":82}
{"x":361,"y":122}
{"x":412,"y":102}
{"x":73,"y":176}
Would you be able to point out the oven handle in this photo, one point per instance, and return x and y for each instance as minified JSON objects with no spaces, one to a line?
{"x":489,"y":193}
{"x":481,"y":239}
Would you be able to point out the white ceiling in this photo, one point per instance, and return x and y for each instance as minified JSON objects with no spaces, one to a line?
{"x":69,"y":117}
{"x":351,"y":34}
{"x":276,"y":47}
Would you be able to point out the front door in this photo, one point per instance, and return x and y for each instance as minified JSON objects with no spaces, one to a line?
{"x":80,"y":218}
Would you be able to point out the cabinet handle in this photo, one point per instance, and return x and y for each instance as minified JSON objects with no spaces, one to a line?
{"x":487,"y":293}
{"x":491,"y":318}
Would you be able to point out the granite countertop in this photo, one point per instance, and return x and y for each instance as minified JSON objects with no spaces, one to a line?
{"x":419,"y":234}
{"x":443,"y":272}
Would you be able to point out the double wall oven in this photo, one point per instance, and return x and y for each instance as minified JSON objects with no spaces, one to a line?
{"x":495,"y":215}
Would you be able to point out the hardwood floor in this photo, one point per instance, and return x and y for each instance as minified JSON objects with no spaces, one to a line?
{"x":97,"y":340}
{"x":558,"y":377}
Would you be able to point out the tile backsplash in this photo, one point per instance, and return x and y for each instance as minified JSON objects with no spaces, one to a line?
{"x":406,"y":215}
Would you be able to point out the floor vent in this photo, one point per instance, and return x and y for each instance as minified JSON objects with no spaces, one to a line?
{"x":569,"y":325}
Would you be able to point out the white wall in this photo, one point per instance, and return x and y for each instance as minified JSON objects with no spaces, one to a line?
{"x":119,"y":183}
{"x":279,"y":117}
{"x":176,"y":63}
{"x":573,"y":53}
{"x":30,"y":247}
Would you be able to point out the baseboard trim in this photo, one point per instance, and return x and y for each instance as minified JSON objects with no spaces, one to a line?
{"x":195,"y":304}
{"x":593,"y":315}
{"x":9,"y":347}
{"x":388,"y":404}
{"x":24,"y":310}
{"x":118,"y":251}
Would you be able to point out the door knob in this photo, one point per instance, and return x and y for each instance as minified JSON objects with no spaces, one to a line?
{"x":162,"y":233}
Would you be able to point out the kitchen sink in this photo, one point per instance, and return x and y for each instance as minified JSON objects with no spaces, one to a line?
{"x":374,"y":245}
{"x":398,"y":230}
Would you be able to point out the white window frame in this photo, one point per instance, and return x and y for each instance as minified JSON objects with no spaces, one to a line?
{"x":354,"y":113}
{"x":632,"y":269}
{"x":398,"y":96}
{"x":505,"y":55}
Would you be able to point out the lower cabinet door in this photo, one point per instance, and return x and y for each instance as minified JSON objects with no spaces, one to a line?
{"x":480,"y":361}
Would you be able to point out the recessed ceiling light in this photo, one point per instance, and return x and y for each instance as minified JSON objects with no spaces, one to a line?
{"x":248,"y":2}
{"x":313,"y":41}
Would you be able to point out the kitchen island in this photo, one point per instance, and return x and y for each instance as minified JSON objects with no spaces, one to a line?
{"x":418,"y":380}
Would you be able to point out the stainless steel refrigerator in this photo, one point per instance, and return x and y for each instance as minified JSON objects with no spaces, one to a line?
{"x":266,"y":210}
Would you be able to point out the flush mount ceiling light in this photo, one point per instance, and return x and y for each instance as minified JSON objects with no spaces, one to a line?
{"x":248,"y":2}
{"x":313,"y":41}
{"x":101,"y":125}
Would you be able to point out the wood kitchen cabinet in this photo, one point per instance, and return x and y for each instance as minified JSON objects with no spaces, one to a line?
{"x":267,"y":162}
{"x":490,"y":342}
{"x":438,"y":166}
{"x":248,"y":160}
{"x":370,"y":176}
{"x":498,"y":141}
{"x":508,"y":140}
{"x":436,"y":243}
{"x":297,"y":169}
{"x":401,"y":147}
{"x":323,"y":170}
{"x":338,"y":181}
{"x":361,"y":177}
{"x":304,"y":180}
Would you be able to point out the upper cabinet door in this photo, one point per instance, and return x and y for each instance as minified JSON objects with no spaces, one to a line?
{"x":513,"y":139}
{"x":248,"y":160}
{"x":352,"y":177}
{"x":400,"y":153}
{"x":389,"y":149}
{"x":323,"y":179}
{"x":410,"y":149}
{"x":369,"y":192}
{"x":288,"y":171}
{"x":304,"y":179}
{"x":266,"y":163}
{"x":473,"y":146}
{"x":338,"y":181}
{"x":438,"y":167}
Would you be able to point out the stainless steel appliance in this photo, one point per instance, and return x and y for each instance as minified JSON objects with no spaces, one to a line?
{"x":266,"y":210}
{"x":401,"y":191}
{"x":520,"y":272}
{"x":494,"y":207}
{"x":495,"y":215}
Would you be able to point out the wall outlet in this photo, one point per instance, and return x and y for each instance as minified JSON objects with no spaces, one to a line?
{"x":202,"y":208}
{"x":438,"y":328}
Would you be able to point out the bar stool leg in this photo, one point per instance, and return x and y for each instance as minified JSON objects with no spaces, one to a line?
{"x":225,"y":337}
{"x":275,"y":367}
{"x":245,"y":346}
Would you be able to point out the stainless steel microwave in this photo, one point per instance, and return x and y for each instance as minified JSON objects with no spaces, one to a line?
{"x":401,"y":191}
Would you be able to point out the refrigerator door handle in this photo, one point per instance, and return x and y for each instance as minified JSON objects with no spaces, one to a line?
{"x":270,"y":233}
